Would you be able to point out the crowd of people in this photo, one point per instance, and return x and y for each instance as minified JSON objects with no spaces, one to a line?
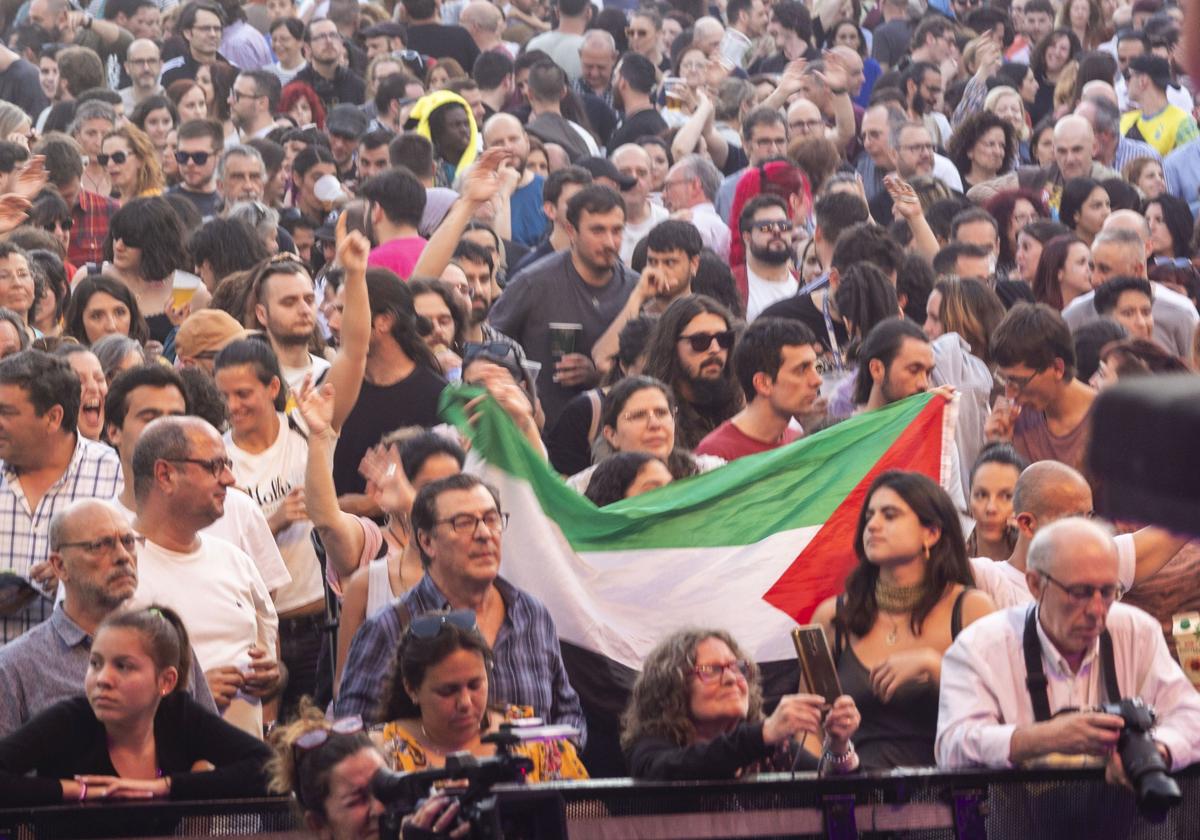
{"x":245,"y":246}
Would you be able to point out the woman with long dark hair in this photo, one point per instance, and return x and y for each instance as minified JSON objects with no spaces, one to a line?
{"x":1170,"y":222}
{"x":1013,"y":210}
{"x":1048,"y":60}
{"x":102,"y":305}
{"x":1063,"y":272}
{"x":990,"y":501}
{"x":1083,"y":207}
{"x":905,"y":602}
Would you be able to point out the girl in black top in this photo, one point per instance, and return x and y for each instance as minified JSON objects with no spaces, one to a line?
{"x":136,"y":734}
{"x":904,"y":603}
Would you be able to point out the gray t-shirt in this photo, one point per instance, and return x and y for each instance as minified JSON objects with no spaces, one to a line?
{"x":551,"y":290}
{"x":1175,"y":318}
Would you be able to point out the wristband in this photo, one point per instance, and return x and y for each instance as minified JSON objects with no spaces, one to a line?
{"x":82,"y":791}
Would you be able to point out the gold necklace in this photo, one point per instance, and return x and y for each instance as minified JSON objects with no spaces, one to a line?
{"x":897,"y":599}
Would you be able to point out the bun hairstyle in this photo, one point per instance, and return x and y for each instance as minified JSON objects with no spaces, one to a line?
{"x":163,"y":634}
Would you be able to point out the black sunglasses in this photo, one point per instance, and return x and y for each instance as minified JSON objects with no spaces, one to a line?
{"x":118,"y":158}
{"x":201,"y":158}
{"x":700,"y":342}
{"x":429,"y":625}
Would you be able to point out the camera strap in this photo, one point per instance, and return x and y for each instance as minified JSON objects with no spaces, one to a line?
{"x":1035,"y":674}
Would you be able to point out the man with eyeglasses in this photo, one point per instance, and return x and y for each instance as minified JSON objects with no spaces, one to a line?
{"x":1088,"y":648}
{"x":143,"y":64}
{"x":1047,"y":492}
{"x":44,"y":466}
{"x":764,"y":136}
{"x":93,"y":552}
{"x":333,"y":81}
{"x":768,"y":276}
{"x":181,"y":473}
{"x":200,"y":141}
{"x":776,"y":364}
{"x":200,"y":24}
{"x":1045,"y":412}
{"x":457,"y":523}
{"x":252,"y":101}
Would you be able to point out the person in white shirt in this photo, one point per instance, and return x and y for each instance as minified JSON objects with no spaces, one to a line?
{"x":141,"y":395}
{"x":1046,"y":492}
{"x":689,"y":192}
{"x":180,"y":475}
{"x":287,"y":42}
{"x":641,"y":214}
{"x":986,"y":714}
{"x":143,"y":63}
{"x":766,"y":230}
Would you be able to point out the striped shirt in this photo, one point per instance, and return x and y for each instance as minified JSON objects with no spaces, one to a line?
{"x":93,"y":473}
{"x":527,"y":667}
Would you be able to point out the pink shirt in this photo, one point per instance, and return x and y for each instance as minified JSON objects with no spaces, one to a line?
{"x":399,"y":255}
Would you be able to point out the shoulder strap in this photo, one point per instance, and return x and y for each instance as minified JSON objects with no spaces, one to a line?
{"x":956,"y":613}
{"x":838,"y":641}
{"x":1108,"y":667}
{"x":1035,"y":677}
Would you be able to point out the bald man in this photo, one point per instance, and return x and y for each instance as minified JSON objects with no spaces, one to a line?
{"x":181,"y":472}
{"x":1046,"y":492}
{"x":1091,"y":649}
{"x":598,"y":57}
{"x":504,"y":131}
{"x":640,"y":213}
{"x":1121,"y":250}
{"x":1112,"y":148}
{"x":484,"y":23}
{"x":94,"y":554}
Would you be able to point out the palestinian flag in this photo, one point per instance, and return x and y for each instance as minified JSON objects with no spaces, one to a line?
{"x":752,"y":547}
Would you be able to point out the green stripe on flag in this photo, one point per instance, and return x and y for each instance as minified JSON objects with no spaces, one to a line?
{"x":752,"y":498}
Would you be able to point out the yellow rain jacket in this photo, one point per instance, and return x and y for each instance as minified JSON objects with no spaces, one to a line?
{"x":426,"y":105}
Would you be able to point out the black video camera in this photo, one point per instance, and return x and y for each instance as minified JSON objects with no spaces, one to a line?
{"x":1144,"y":765}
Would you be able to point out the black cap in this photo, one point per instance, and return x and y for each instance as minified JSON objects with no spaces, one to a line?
{"x":346,"y":120}
{"x":1154,"y":66}
{"x":603,"y":168}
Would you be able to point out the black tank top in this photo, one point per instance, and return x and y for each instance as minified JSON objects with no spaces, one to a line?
{"x":899,"y":733}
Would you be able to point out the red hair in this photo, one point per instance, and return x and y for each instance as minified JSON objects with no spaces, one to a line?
{"x":293,"y":92}
{"x":775,"y":177}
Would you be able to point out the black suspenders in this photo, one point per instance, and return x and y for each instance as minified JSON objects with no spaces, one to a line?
{"x":1035,"y":676}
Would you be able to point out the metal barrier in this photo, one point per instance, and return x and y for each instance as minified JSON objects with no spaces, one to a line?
{"x":917,"y":804}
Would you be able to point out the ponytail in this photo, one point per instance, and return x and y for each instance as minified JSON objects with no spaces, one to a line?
{"x":165,"y":637}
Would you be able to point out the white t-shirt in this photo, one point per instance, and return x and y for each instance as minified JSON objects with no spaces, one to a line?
{"x":245,"y":526}
{"x":268,"y":477}
{"x":762,"y":293}
{"x":635,"y":233}
{"x":295,"y":376}
{"x":1006,"y":583}
{"x":224,"y":604}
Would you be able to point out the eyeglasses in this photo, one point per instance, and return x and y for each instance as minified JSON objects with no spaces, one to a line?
{"x":712,"y":673}
{"x":315,"y":738}
{"x":1017,"y":383}
{"x":700,"y":342}
{"x":919,"y":148}
{"x":496,"y":349}
{"x":107,"y":545}
{"x":200,"y":158}
{"x":216,"y":466}
{"x":1177,"y":262}
{"x":805,"y":126}
{"x":772,"y":225}
{"x":1082,"y":593}
{"x":429,"y":625}
{"x":467,"y":524}
{"x":236,"y":95}
{"x":118,"y":158}
{"x":324,"y":36}
{"x":142,"y":62}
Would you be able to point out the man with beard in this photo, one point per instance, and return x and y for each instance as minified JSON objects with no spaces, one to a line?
{"x":767,"y":276}
{"x":286,"y":308}
{"x":143,"y":63}
{"x":776,"y":365}
{"x":923,"y":92}
{"x":633,"y":81}
{"x":584,"y":287}
{"x":504,"y":131}
{"x":689,"y":350}
{"x":396,"y":201}
{"x":93,"y":552}
{"x":253,"y":100}
{"x":477,"y":265}
{"x":200,"y":24}
{"x":333,"y":81}
{"x":672,"y":259}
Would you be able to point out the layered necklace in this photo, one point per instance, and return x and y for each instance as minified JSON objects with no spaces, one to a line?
{"x":897,"y":599}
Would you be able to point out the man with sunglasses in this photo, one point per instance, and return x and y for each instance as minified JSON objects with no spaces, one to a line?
{"x":1046,"y":410}
{"x":767,"y":276}
{"x":1088,"y":648}
{"x":181,"y":473}
{"x":200,"y":141}
{"x":457,"y":523}
{"x":93,"y":552}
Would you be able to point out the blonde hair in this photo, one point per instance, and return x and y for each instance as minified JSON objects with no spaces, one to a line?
{"x":150,"y":179}
{"x":992,"y":100}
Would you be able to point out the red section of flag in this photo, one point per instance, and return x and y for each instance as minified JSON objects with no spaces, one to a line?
{"x":820,"y":570}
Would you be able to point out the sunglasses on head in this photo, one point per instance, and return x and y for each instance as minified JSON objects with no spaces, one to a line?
{"x":200,"y":158}
{"x":495,"y":349}
{"x":429,"y":625}
{"x":699,"y":342}
{"x":118,"y":158}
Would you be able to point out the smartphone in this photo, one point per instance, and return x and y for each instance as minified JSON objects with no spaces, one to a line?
{"x":816,"y":662}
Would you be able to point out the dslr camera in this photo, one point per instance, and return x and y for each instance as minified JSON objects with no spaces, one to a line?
{"x":1144,"y":765}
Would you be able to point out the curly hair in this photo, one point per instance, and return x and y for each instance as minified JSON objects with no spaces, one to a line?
{"x":971,"y":130}
{"x":659,"y":706}
{"x":611,"y":479}
{"x":1037,"y":60}
{"x":293,"y":92}
{"x":150,"y":178}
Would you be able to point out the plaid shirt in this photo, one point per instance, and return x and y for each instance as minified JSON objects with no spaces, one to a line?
{"x":91,"y":215}
{"x":94,"y":473}
{"x":527,"y":667}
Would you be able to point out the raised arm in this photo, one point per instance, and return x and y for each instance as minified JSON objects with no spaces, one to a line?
{"x":349,"y":367}
{"x":479,"y":185}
